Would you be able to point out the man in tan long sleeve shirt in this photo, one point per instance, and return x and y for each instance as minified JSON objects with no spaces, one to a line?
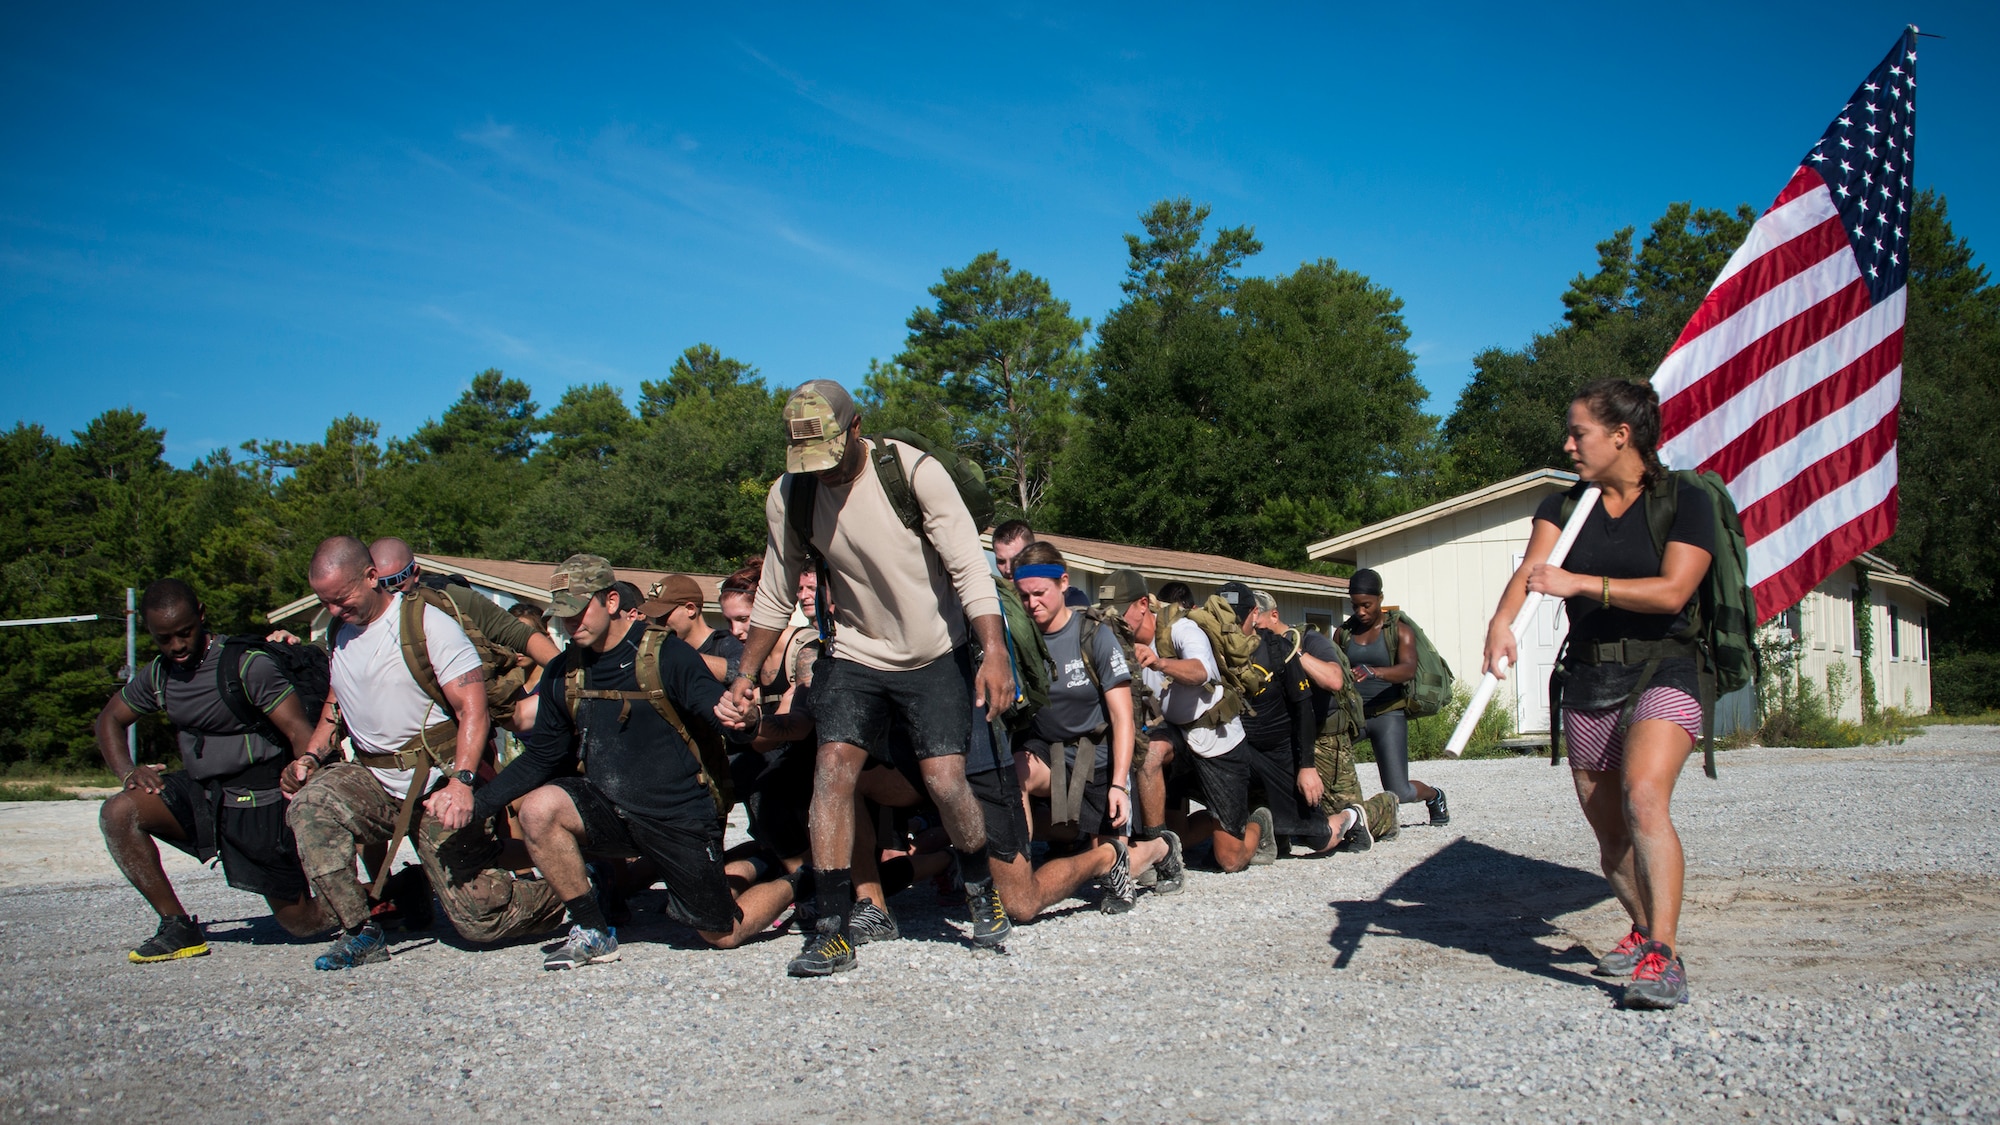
{"x":902,"y":601}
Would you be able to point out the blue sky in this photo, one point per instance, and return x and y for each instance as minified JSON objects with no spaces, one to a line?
{"x":247,"y":221}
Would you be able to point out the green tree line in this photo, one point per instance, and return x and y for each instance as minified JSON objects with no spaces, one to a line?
{"x":1212,"y":409}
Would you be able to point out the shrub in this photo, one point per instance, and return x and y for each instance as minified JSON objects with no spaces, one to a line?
{"x":1966,"y":684}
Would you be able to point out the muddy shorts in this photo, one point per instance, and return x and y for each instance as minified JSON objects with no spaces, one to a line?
{"x":859,"y":705}
{"x":689,"y":856}
{"x":256,"y":846}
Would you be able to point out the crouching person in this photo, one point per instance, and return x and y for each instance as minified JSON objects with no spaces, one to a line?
{"x":632,"y":706}
{"x":407,"y":740}
{"x":237,"y":719}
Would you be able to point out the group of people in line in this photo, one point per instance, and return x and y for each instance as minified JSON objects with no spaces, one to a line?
{"x":863,"y":703}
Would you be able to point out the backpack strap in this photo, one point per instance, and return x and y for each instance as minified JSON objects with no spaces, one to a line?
{"x":417,"y":653}
{"x":1662,"y":506}
{"x":236,"y":652}
{"x":653,"y":690}
{"x":896,"y":482}
{"x":1067,"y":781}
{"x":801,"y":498}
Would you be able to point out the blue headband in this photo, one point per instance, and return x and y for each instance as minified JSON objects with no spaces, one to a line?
{"x":1039,"y":570}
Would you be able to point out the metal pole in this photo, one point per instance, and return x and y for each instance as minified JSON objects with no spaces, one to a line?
{"x":132,"y":663}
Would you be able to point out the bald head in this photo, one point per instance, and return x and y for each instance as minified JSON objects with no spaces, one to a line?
{"x":341,"y":557}
{"x":390,"y":554}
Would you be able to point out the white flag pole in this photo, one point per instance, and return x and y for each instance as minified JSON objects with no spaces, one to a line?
{"x":1483,"y":694}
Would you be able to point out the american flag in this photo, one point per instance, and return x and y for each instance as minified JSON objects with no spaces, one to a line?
{"x":1787,"y":379}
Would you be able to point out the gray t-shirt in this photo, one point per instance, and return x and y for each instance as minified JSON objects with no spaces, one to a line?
{"x":1075,"y":708}
{"x":212,"y":742}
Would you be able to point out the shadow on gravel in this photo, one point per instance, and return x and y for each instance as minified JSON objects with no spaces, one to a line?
{"x":258,"y":929}
{"x":1484,"y":901}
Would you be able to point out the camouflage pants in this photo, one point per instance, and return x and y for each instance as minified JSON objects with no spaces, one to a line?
{"x":1334,"y":757}
{"x":343,"y":807}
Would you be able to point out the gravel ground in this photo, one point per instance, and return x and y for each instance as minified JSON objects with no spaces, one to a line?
{"x":1839,"y":938}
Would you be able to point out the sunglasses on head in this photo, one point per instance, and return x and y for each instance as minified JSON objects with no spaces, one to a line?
{"x":395,"y":581}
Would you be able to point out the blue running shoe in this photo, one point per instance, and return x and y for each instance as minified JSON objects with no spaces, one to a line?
{"x":365,"y":946}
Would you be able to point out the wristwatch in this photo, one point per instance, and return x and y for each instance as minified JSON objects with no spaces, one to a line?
{"x":466,"y":777}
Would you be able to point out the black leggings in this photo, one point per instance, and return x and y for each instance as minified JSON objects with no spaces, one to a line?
{"x":1389,"y":734}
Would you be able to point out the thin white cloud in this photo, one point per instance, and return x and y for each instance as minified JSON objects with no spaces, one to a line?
{"x":577,"y":368}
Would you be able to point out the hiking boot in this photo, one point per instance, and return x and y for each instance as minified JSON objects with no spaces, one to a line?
{"x":179,"y":936}
{"x":1440,"y":812}
{"x":1169,"y":872}
{"x":1658,"y":981}
{"x":584,"y":947}
{"x":1267,"y":840}
{"x":990,"y":926}
{"x":1358,"y":838}
{"x":827,"y":951}
{"x":1624,"y":957}
{"x":365,"y":946}
{"x":868,"y":922}
{"x":1120,"y":892}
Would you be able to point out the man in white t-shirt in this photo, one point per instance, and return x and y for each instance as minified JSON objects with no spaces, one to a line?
{"x":402,"y":736}
{"x":1191,"y":692}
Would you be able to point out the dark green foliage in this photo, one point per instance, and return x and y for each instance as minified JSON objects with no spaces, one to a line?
{"x":1966,"y":684}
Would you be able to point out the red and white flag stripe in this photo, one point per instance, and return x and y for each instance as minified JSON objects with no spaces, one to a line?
{"x":1787,"y":380}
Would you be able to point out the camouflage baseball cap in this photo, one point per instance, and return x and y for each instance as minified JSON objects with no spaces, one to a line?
{"x":1121,"y":588}
{"x":817,"y":418}
{"x":573,"y":583}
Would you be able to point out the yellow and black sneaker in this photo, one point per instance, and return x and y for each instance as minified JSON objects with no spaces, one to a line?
{"x":827,"y":951}
{"x":179,"y":936}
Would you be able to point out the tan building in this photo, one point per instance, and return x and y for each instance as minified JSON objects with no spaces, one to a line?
{"x":1447,"y":563}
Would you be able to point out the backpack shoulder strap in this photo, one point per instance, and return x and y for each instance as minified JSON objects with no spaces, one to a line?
{"x":229,"y":683}
{"x":417,"y":653}
{"x":1569,"y":502}
{"x":896,"y":482}
{"x":156,"y":675}
{"x":1392,"y":634}
{"x":801,"y":494}
{"x":1663,"y":502}
{"x":701,"y":746}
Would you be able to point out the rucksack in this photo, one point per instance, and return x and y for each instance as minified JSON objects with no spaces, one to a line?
{"x":1026,"y":649}
{"x":504,"y":673}
{"x":711,"y":757}
{"x":1430,"y":690}
{"x":1235,"y":655}
{"x":1722,"y":614}
{"x":304,"y":666}
{"x":1145,"y":705}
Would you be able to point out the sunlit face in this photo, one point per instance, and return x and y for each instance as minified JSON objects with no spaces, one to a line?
{"x":1004,"y":553}
{"x":1044,"y":599}
{"x":178,"y":632}
{"x":681,"y":619}
{"x":736,"y":611}
{"x":592,"y":627}
{"x":351,"y":599}
{"x":1593,"y":448}
{"x":808,"y":585}
{"x":1139,"y":616}
{"x":1367,"y":607}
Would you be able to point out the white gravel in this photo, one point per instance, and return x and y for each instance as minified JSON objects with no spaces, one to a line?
{"x":1839,"y":939}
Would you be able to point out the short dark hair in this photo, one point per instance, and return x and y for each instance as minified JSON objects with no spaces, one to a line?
{"x":1012,"y":530}
{"x":629,"y":596}
{"x":1178,"y":593}
{"x":167,"y":595}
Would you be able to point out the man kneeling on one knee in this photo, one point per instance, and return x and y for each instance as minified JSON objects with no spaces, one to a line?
{"x":647,"y":790}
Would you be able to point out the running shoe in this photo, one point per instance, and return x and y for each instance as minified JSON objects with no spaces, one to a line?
{"x":1170,"y":871}
{"x":990,"y":926}
{"x":179,"y":936}
{"x":868,"y":922}
{"x":365,"y":946}
{"x":1358,"y":838}
{"x":585,"y":947}
{"x":1624,"y":957}
{"x":1658,"y":981}
{"x":1440,"y":812}
{"x":1120,"y":892}
{"x":827,"y":951}
{"x":1267,"y":840}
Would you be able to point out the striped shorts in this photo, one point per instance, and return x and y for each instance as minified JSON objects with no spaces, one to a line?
{"x":1595,"y":743}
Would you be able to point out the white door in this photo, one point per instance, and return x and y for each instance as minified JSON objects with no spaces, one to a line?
{"x":1539,"y":646}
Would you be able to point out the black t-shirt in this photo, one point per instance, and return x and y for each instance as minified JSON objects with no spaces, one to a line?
{"x":723,"y":643}
{"x":641,"y":765}
{"x":1623,"y":548}
{"x":1319,"y":646}
{"x":1283,"y":722}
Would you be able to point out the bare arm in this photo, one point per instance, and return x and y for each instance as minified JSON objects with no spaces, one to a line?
{"x":112,"y":722}
{"x":1681,"y":570}
{"x":1500,"y":630}
{"x":1118,"y":705}
{"x":736,"y":708}
{"x":1405,"y":668}
{"x":1324,"y":674}
{"x":541,"y":649}
{"x":452,"y":805}
{"x":993,"y":684}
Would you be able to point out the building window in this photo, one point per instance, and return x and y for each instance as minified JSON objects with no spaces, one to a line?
{"x":1895,"y":636}
{"x":1795,"y":622}
{"x":1320,"y":621}
{"x":1854,"y":611}
{"x":1924,"y":637}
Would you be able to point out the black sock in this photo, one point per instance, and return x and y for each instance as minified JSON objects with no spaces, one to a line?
{"x":804,"y":886}
{"x":1148,"y":832}
{"x":583,"y":911}
{"x":897,"y":875}
{"x":835,"y":895}
{"x":973,"y":866}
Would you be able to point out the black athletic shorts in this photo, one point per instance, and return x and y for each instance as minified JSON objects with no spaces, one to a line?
{"x":999,"y":795}
{"x":776,"y":791}
{"x":690,"y":856}
{"x":1223,"y":784}
{"x":256,"y":845}
{"x":858,"y":705}
{"x":1094,"y":818}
